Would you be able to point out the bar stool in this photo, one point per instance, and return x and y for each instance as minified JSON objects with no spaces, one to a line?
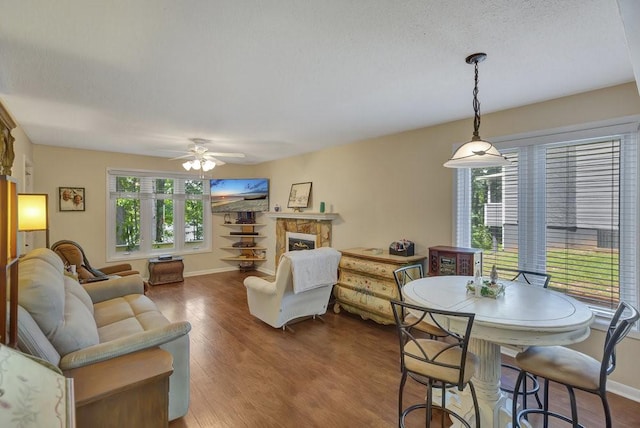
{"x":435,"y":363}
{"x":536,"y":279}
{"x":574,"y":369}
{"x":403,"y":275}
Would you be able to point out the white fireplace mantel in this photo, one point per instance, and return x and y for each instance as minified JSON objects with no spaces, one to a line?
{"x":303,"y":215}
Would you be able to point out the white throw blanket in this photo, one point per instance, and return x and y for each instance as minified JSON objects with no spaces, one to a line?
{"x":313,"y":268}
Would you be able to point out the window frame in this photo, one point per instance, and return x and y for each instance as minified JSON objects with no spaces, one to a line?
{"x":147,"y":201}
{"x":625,"y":128}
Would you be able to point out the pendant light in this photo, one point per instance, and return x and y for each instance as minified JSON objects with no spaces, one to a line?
{"x":476,"y":153}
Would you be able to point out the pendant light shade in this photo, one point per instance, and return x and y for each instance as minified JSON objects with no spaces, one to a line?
{"x":476,"y":153}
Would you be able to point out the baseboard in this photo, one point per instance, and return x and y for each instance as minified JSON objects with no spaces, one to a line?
{"x":612,"y":386}
{"x":225,"y":269}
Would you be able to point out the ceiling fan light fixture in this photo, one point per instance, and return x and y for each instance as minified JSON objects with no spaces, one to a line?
{"x":208,"y":165}
{"x":476,"y":153}
{"x":187,"y":165}
{"x":195,"y":164}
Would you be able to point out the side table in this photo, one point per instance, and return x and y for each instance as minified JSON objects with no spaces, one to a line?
{"x":165,"y":271}
{"x":128,"y":391}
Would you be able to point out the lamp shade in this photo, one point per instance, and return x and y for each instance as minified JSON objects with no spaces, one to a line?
{"x":476,"y":154}
{"x":32,"y":212}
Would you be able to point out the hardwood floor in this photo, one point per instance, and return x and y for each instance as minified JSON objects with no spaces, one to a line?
{"x":340,"y":373}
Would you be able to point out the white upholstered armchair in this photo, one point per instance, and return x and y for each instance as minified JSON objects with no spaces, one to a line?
{"x":280,"y":302}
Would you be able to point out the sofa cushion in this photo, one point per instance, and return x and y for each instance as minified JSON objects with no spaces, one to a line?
{"x":32,"y":341}
{"x":73,"y":286}
{"x":126,"y":315}
{"x":54,"y":303}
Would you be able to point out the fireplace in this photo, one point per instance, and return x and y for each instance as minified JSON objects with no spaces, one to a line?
{"x":304,"y":227}
{"x":301,"y":241}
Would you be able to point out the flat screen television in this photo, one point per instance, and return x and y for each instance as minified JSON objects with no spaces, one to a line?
{"x":239,"y":195}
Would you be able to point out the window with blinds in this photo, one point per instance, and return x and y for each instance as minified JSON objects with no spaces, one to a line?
{"x":582,"y":192}
{"x":566,"y":208}
{"x":155,"y":213}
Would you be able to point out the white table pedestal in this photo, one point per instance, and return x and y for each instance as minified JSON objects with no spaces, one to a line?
{"x":495,"y":406}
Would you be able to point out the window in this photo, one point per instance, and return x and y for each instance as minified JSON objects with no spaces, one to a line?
{"x":566,"y":207}
{"x":156,"y":213}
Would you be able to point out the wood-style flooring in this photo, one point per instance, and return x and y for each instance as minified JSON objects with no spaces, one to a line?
{"x":340,"y":373}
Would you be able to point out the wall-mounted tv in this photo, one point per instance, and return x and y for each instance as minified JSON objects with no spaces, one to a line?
{"x":239,"y":195}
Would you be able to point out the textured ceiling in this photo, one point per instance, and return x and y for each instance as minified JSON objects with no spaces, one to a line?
{"x":277,"y":78}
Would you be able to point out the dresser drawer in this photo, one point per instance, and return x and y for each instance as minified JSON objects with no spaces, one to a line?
{"x":361,"y":299}
{"x":368,"y":267}
{"x":381,"y":287}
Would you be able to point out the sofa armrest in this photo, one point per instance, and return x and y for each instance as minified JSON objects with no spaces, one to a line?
{"x":260,"y":285}
{"x":125,"y":345}
{"x":114,"y":287}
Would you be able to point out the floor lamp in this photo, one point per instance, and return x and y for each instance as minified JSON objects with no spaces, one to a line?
{"x":33,"y":213}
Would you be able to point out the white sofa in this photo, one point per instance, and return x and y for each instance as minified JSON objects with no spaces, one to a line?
{"x":277,"y":303}
{"x":71,"y":325}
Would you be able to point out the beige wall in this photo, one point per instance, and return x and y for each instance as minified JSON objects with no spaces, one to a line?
{"x":62,"y":167}
{"x":384,"y":188}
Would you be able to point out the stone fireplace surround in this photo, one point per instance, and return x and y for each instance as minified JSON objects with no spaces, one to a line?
{"x":311,"y":223}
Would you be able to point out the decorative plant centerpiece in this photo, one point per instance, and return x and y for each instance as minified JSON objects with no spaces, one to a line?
{"x":488,"y":288}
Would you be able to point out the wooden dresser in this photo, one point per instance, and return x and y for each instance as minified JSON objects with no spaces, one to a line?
{"x":366,"y":283}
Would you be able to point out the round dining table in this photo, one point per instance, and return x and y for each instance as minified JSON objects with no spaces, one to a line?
{"x":523,"y":316}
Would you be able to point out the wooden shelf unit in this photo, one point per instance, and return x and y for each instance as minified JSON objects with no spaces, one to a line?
{"x":245,"y":255}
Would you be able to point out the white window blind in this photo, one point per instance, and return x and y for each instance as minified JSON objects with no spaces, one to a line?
{"x":582,"y":192}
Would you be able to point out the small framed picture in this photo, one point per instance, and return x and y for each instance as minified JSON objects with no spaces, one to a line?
{"x":71,"y":198}
{"x":299,"y":195}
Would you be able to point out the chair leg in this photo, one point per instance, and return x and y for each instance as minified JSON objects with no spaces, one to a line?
{"x":476,"y":407}
{"x":443,"y":405}
{"x":546,"y":403}
{"x":514,"y":402}
{"x":574,"y":407}
{"x":403,"y":380}
{"x":607,"y":411}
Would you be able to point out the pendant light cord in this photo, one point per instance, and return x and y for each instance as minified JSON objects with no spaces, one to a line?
{"x":476,"y":106}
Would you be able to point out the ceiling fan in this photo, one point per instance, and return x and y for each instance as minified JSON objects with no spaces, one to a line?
{"x":202,"y":158}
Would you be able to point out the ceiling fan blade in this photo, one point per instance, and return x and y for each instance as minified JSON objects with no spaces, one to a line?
{"x":190,"y":155}
{"x":217,"y":161}
{"x":226,"y":155}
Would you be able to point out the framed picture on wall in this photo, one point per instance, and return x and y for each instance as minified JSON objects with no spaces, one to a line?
{"x":299,"y":195}
{"x":71,"y":198}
